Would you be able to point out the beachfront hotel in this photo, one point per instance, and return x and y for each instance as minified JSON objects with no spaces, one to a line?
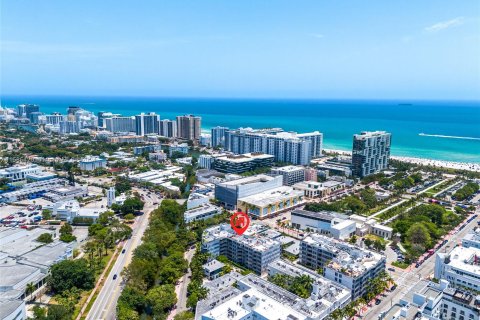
{"x":289,"y":147}
{"x":147,"y":124}
{"x":370,"y":153}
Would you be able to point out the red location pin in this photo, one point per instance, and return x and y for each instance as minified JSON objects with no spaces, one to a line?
{"x":239,"y":222}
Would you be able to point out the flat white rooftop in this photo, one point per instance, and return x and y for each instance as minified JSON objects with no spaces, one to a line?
{"x":272,"y":196}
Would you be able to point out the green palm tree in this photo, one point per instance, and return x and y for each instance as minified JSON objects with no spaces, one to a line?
{"x":89,"y":249}
{"x":30,"y":289}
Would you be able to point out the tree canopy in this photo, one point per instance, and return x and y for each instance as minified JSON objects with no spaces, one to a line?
{"x":68,"y":274}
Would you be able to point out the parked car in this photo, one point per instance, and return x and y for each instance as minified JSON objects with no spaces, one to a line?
{"x":391,"y":269}
{"x":378,"y":301}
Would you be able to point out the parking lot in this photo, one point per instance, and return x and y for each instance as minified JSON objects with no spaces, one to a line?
{"x":19,"y":215}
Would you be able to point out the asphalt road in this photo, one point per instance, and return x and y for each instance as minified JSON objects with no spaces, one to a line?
{"x":408,"y":278}
{"x":105,"y":305}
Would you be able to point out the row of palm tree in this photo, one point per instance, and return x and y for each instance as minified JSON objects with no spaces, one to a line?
{"x":375,"y":286}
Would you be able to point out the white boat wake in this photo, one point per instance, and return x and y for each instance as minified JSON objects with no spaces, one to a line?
{"x":448,"y":137}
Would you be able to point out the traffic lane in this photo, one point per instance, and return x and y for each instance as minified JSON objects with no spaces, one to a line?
{"x":411,"y":276}
{"x":110,"y":284}
{"x":110,"y":309}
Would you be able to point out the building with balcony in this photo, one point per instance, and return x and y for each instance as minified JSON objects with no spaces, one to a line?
{"x":291,"y":174}
{"x":251,"y":249}
{"x":242,"y":163}
{"x":270,"y":202}
{"x":344,"y":263}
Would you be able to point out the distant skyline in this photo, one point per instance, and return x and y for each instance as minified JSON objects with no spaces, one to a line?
{"x":245,"y":49}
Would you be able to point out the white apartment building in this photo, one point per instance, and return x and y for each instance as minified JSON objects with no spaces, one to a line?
{"x":344,"y":263}
{"x":19,"y":173}
{"x":201,"y":212}
{"x":91,"y":163}
{"x":284,"y":146}
{"x":252,"y":250}
{"x":120,"y":124}
{"x":291,"y":174}
{"x":472,"y":239}
{"x":460,"y":267}
{"x":256,"y":298}
{"x":313,"y":189}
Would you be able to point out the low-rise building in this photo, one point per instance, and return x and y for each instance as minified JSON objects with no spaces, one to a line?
{"x":242,"y":162}
{"x":340,"y":168}
{"x":202,"y":212}
{"x":159,"y":177}
{"x":66,"y":193}
{"x":290,"y":174}
{"x":228,"y":192}
{"x":25,"y":261}
{"x":329,"y":223}
{"x":367,"y":225}
{"x":213,"y":269}
{"x":251,"y":250}
{"x":206,"y":161}
{"x":69,"y":210}
{"x":460,"y":304}
{"x":33,"y":190}
{"x":126,"y":139}
{"x":157,"y":156}
{"x":460,"y":267}
{"x":12,"y":309}
{"x":270,"y":202}
{"x":196,"y":200}
{"x":19,"y":173}
{"x":175,"y":147}
{"x":256,"y":298}
{"x":344,"y":263}
{"x":472,"y":239}
{"x":146,"y":149}
{"x":91,"y":163}
{"x":41,"y":176}
{"x":435,"y":301}
{"x":313,"y":189}
{"x":186,"y":161}
{"x":311,"y":174}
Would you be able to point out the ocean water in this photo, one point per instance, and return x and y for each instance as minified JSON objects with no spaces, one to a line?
{"x":337,"y":119}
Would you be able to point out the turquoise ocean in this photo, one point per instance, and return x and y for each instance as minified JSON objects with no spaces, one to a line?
{"x":442,"y":130}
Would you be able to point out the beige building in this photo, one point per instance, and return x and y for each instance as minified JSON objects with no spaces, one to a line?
{"x":313,"y":189}
{"x":270,"y":202}
{"x":188,"y":127}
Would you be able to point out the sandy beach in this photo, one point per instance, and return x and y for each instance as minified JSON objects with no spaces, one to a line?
{"x":426,"y":162}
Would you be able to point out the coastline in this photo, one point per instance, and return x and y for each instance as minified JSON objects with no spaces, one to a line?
{"x":425,"y":162}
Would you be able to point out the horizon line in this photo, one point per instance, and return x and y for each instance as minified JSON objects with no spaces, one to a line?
{"x":401,"y":100}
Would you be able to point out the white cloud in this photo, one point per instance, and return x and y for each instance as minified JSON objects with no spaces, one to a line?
{"x":317,"y":35}
{"x":445,"y":25}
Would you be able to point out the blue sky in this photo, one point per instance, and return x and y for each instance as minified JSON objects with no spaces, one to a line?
{"x":307,"y":49}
